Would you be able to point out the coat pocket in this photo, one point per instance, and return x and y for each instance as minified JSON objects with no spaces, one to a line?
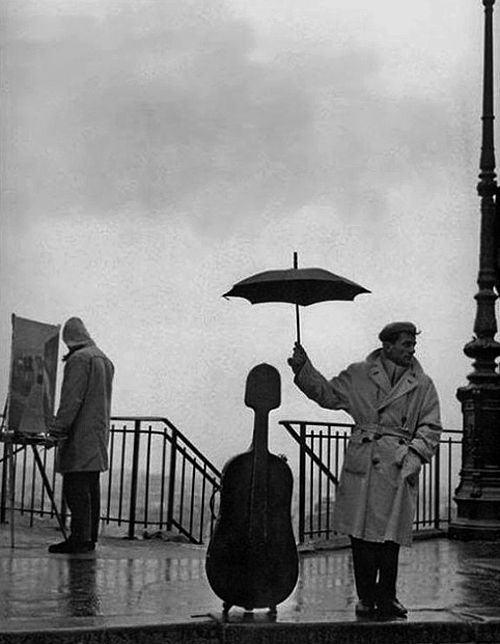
{"x":357,"y":456}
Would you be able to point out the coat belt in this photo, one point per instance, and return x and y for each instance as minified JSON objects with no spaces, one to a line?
{"x":374,"y":431}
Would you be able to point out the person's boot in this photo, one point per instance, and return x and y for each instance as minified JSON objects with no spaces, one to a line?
{"x":365,"y":608}
{"x":390,"y":609}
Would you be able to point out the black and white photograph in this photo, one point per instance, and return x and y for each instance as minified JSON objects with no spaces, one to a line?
{"x":249,"y":287}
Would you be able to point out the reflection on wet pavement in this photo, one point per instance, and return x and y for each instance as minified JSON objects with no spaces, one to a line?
{"x":87,"y":586}
{"x":439,"y":580}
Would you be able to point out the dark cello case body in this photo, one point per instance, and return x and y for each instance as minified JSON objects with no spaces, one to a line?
{"x":252,"y":557}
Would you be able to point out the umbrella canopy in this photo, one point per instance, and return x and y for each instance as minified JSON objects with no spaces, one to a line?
{"x":302,"y":286}
{"x":299,"y":286}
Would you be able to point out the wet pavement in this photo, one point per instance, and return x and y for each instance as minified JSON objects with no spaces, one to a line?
{"x":157,"y":591}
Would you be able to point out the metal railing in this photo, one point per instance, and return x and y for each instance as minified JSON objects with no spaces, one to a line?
{"x":321,"y":453}
{"x":157,"y":480}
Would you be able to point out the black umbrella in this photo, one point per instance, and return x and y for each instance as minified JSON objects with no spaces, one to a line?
{"x":302,"y":286}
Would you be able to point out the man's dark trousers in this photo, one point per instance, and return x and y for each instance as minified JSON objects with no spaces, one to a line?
{"x":82,"y":493}
{"x":375,"y":570}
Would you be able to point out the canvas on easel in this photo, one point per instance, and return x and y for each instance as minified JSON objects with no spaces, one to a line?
{"x":33,"y":373}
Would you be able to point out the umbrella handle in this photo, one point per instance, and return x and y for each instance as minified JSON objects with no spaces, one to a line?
{"x":297,"y":320}
{"x":297,"y":316}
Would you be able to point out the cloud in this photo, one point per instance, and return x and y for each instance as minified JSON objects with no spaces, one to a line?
{"x":163,"y":108}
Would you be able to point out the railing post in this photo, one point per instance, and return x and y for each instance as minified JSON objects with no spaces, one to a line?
{"x":135,"y":475}
{"x":171,"y":481}
{"x":437,"y":492}
{"x":302,"y":481}
{"x":3,"y":491}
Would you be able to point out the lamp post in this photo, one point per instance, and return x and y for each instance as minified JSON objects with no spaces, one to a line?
{"x":478,"y":493}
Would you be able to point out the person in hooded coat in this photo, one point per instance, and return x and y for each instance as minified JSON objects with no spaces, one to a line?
{"x":82,"y":423}
{"x":395,"y":408}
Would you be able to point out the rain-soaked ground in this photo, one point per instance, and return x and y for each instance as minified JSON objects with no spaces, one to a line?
{"x":157,"y":591}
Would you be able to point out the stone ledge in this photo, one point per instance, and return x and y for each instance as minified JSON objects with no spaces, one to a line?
{"x":212,"y":632}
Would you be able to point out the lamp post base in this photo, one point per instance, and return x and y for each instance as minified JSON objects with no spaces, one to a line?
{"x":474,"y":530}
{"x":478,"y":506}
{"x":478,"y":494}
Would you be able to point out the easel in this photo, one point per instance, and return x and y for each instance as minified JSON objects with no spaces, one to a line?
{"x":32,"y":366}
{"x":10,"y":440}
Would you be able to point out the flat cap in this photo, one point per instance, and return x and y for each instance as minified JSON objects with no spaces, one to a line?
{"x":391,"y":331}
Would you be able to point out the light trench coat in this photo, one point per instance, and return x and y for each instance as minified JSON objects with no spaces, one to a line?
{"x":373,"y":501}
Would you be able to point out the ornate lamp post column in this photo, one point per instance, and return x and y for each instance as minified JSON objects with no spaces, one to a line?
{"x":478,"y":494}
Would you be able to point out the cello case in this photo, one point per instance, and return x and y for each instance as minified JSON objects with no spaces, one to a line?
{"x":252,"y":557}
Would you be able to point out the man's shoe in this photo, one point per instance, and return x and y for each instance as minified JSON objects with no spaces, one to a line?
{"x":398,"y":608}
{"x":390,"y":609}
{"x":72,"y":547}
{"x":365,"y":609}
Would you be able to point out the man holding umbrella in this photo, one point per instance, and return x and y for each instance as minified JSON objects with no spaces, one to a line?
{"x":395,"y":408}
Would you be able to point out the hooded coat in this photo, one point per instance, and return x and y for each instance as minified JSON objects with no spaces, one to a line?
{"x":83,"y":417}
{"x":374,"y":501}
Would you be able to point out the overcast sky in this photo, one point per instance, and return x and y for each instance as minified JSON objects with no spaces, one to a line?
{"x":157,"y":151}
